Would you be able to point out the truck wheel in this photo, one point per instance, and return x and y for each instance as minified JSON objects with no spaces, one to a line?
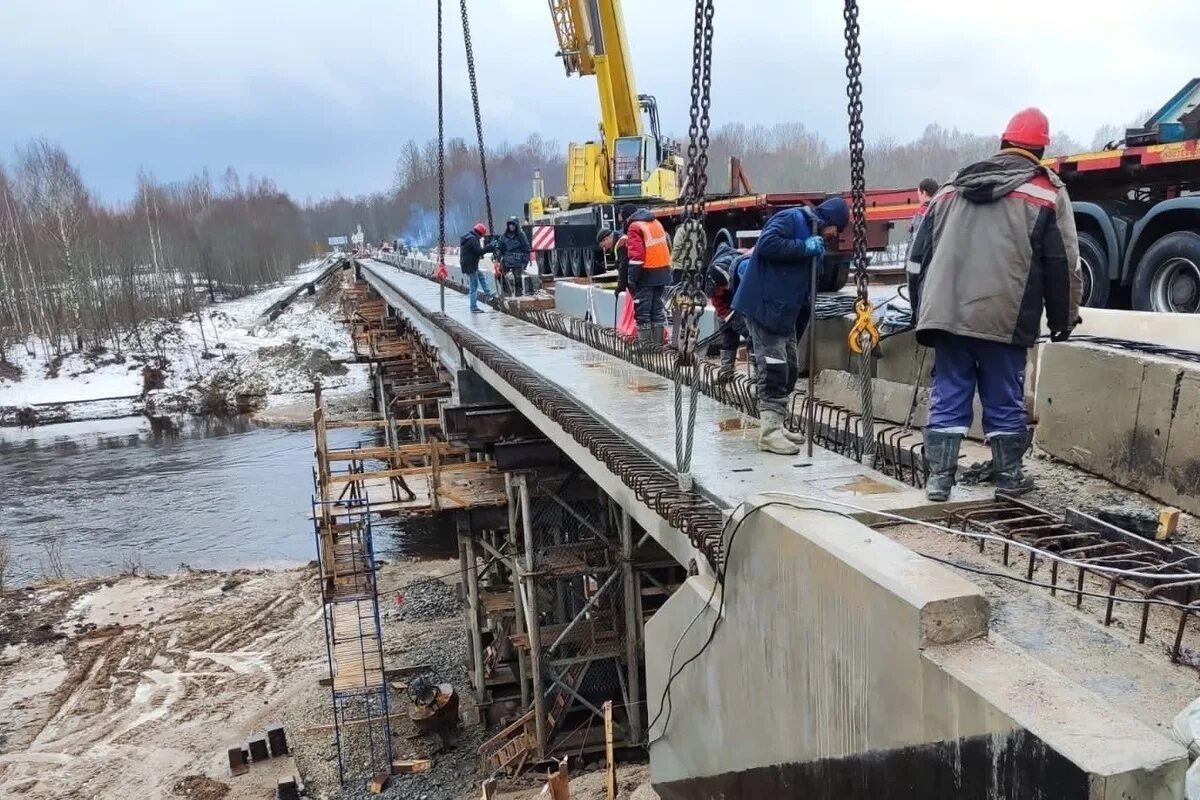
{"x":589,"y":262}
{"x":545,"y":267}
{"x":1093,"y":263}
{"x":577,"y":262}
{"x":1168,"y":275}
{"x":833,"y":280}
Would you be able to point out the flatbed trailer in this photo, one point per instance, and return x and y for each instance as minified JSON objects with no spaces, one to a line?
{"x":564,"y":242}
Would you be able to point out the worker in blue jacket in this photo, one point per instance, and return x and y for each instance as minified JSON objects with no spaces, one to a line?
{"x":772,"y":297}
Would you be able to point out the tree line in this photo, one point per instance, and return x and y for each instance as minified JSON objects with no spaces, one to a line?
{"x":782,"y":157}
{"x":78,"y":273}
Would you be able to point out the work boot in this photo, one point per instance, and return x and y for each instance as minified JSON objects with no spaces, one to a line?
{"x":1007,"y":453}
{"x":941,"y":456}
{"x":796,"y":437}
{"x":771,"y":436}
{"x":645,"y":337}
{"x":656,"y":335}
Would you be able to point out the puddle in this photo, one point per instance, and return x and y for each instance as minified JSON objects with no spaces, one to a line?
{"x":593,"y":364}
{"x":865,"y":485}
{"x":639,"y":386}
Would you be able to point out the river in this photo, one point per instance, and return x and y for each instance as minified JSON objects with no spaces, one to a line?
{"x":99,"y":498}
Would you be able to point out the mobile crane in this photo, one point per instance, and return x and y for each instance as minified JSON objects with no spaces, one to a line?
{"x":627,"y":163}
{"x":633,"y":163}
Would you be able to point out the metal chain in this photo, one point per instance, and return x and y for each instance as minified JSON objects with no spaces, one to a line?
{"x":858,"y":217}
{"x":441,"y":161}
{"x":487,"y":195}
{"x":689,"y":297}
{"x":858,"y":181}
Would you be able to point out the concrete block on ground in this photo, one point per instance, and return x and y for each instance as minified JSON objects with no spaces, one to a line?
{"x":833,"y":350}
{"x":1130,"y":417}
{"x":904,"y":361}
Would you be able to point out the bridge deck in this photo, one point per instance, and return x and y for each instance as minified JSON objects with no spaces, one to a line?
{"x":726,"y":464}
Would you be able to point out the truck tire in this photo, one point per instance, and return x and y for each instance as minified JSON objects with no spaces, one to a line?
{"x":1168,"y":275}
{"x":1093,"y":263}
{"x":834,"y":280}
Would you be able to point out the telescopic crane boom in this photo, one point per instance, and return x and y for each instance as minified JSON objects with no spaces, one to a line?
{"x":628,"y":162}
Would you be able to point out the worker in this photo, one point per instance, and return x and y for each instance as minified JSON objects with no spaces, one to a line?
{"x":471,"y":248}
{"x":773,"y":297}
{"x":649,"y":254}
{"x":512,"y":249}
{"x":998,"y":245}
{"x":608,"y":241}
{"x":721,"y":281}
{"x":926,"y":189}
{"x":688,"y":246}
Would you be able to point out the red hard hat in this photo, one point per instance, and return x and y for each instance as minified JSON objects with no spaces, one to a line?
{"x":480,"y":228}
{"x":1028,"y":128}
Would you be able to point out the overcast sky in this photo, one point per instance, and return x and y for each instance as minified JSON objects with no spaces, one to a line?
{"x":319,"y":95}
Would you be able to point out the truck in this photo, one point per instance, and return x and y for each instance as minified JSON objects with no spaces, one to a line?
{"x":632,"y":162}
{"x":1138,"y":212}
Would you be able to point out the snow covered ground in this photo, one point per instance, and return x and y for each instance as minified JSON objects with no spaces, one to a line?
{"x":243,"y":350}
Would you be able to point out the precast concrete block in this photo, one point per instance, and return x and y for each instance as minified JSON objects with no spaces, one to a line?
{"x":1130,"y":417}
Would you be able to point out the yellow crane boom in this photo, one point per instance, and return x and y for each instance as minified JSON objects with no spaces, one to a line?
{"x":627,"y":163}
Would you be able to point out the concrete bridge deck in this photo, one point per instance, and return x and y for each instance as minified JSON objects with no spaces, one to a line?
{"x":726,"y":463}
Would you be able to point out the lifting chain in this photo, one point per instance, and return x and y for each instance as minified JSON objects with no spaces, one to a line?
{"x":441,"y":163}
{"x":690,"y":299}
{"x":863,"y":337}
{"x":487,"y":194}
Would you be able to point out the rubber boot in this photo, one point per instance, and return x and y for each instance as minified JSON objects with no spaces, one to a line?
{"x":941,"y":455}
{"x":1007,"y":454}
{"x":656,"y":335}
{"x":645,"y":338}
{"x":771,"y":437}
{"x":795,"y":437}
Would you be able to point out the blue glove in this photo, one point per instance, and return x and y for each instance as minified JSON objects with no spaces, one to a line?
{"x":814,"y":246}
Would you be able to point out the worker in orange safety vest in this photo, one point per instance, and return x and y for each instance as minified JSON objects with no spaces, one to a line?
{"x":649,"y":253}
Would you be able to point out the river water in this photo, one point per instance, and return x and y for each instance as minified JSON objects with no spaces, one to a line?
{"x":100,"y":497}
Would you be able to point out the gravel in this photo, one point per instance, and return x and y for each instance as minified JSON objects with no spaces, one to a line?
{"x":426,"y":629}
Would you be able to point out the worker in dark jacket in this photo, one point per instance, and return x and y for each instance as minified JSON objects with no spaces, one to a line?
{"x":649,"y":253}
{"x":773,"y":296}
{"x":997,"y":245}
{"x":471,"y":248}
{"x":512,"y":249}
{"x":608,"y":240}
{"x":721,"y":281}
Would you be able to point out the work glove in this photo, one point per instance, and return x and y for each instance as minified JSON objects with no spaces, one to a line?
{"x":814,"y":246}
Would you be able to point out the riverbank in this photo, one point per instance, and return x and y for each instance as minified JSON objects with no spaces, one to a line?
{"x":226,"y":357}
{"x":136,"y":686}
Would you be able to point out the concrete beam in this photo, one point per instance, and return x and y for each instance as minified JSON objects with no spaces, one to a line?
{"x":848,"y":666}
{"x":1129,"y":417}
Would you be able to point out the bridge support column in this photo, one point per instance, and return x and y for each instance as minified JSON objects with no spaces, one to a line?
{"x":632,"y":628}
{"x":515,"y":570}
{"x":529,"y":587}
{"x":471,"y":580}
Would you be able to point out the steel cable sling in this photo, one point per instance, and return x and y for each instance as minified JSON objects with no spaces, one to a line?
{"x":863,"y":336}
{"x":442,"y":272}
{"x":690,"y":298}
{"x":487,"y":194}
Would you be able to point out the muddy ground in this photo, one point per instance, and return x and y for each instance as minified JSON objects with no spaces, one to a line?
{"x":136,"y":686}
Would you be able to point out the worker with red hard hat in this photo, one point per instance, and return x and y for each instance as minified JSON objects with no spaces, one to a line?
{"x":471,"y":248}
{"x":996,"y":248}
